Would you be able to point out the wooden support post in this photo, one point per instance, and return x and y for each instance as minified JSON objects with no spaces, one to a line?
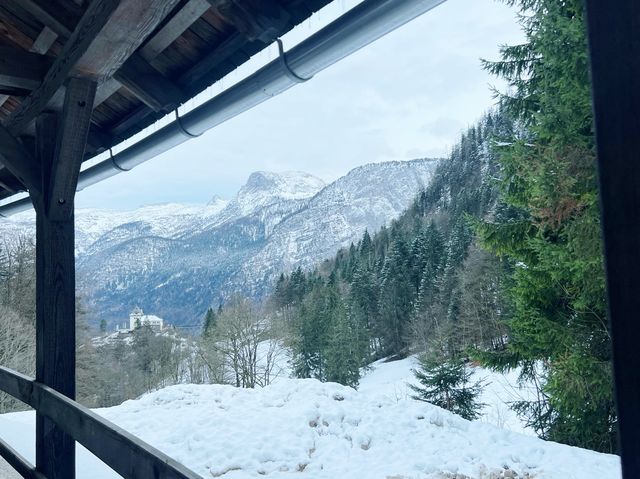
{"x":60,"y":144}
{"x":614,"y":42}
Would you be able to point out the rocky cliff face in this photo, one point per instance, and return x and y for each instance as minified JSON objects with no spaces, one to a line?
{"x":176,"y":260}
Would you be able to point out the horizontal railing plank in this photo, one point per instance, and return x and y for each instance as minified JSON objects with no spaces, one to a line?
{"x":19,"y":463}
{"x":17,"y":385}
{"x":126,"y":454}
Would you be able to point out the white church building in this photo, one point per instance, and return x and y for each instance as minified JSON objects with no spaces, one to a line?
{"x":137,"y":318}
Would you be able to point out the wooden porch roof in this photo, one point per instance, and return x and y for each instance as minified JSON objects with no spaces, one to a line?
{"x":148,"y":57}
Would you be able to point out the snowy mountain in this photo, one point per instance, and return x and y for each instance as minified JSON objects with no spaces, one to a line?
{"x":307,"y":429}
{"x":177,"y":260}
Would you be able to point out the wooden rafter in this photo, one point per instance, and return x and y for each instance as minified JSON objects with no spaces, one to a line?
{"x":44,"y":17}
{"x":148,"y":84}
{"x":92,"y":22}
{"x":128,"y":28}
{"x":199,"y":71}
{"x":22,"y":69}
{"x":175,"y":27}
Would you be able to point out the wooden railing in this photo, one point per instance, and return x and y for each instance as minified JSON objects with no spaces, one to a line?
{"x":121,"y":451}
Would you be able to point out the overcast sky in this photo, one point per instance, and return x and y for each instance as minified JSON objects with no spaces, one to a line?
{"x":408,"y":95}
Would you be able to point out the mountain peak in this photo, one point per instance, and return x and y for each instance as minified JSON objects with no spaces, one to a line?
{"x":266,"y":187}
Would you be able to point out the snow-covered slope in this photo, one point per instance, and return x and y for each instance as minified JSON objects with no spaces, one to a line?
{"x":392,"y":379}
{"x":303,"y":428}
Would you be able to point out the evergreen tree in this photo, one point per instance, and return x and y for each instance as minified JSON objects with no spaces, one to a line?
{"x":344,"y":349}
{"x":549,"y":229}
{"x":446,"y":383}
{"x":209,"y":323}
{"x":396,"y":299}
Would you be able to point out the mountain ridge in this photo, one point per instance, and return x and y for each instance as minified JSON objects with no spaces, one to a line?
{"x":177,"y":260}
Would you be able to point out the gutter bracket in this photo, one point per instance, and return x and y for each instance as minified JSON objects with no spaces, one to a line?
{"x":115,"y":164}
{"x":293,"y":76}
{"x":183,"y":130}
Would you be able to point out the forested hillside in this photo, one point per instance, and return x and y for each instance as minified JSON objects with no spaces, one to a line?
{"x":420,"y":283}
{"x":498,"y":259}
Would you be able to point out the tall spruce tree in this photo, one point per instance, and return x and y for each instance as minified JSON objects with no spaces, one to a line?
{"x":549,"y":229}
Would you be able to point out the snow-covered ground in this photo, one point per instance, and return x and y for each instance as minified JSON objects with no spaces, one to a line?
{"x":499,"y":390}
{"x":319,"y":431}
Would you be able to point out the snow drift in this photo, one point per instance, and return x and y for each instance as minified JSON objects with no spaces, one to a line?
{"x":301,"y":427}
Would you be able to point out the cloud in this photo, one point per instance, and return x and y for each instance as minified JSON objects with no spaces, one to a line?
{"x":407,"y":95}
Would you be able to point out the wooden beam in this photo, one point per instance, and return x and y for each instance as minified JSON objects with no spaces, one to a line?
{"x":614,"y":43}
{"x":175,"y":27}
{"x":44,"y":42}
{"x":60,"y":145}
{"x":22,"y":69}
{"x":19,"y":161}
{"x":93,"y":21}
{"x":44,"y":17}
{"x":71,"y":141}
{"x":148,"y":84}
{"x":130,"y":25}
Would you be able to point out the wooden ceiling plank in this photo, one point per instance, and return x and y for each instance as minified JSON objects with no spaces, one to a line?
{"x":44,"y":42}
{"x":175,"y":27}
{"x":9,"y":32}
{"x":92,"y":22}
{"x":46,"y":18}
{"x":261,"y":20}
{"x":21,"y":69}
{"x":106,"y":89}
{"x":227,"y":48}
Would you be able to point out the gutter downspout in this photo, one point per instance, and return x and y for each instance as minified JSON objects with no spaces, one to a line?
{"x":365,"y":23}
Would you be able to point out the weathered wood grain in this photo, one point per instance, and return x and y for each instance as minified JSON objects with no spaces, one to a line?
{"x":180,"y":22}
{"x":71,"y":141}
{"x":93,"y":21}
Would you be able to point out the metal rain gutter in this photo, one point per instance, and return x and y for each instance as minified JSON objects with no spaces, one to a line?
{"x":360,"y":26}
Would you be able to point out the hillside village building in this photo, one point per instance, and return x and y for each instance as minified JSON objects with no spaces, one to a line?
{"x":137,"y":318}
